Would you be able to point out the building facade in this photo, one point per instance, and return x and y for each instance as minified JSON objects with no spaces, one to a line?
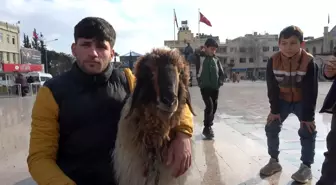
{"x":184,"y":36}
{"x":249,"y":54}
{"x":9,"y":43}
{"x":321,"y":46}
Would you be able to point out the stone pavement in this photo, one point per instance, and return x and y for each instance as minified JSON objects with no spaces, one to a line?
{"x":234,"y":157}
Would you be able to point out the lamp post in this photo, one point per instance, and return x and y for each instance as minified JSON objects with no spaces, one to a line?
{"x":46,"y":53}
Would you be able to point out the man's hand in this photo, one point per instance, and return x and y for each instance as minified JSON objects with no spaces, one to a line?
{"x":271,"y":117}
{"x":179,"y":154}
{"x":330,"y":69}
{"x":310,"y":125}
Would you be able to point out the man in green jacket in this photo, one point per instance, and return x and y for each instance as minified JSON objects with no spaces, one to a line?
{"x":210,"y":77}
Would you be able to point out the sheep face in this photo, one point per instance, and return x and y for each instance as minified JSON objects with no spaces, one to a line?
{"x":162,"y":77}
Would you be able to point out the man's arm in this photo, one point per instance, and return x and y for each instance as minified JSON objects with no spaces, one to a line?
{"x":186,"y":125}
{"x":220,"y":72}
{"x":309,"y":92}
{"x":273,"y":89}
{"x":43,"y":145}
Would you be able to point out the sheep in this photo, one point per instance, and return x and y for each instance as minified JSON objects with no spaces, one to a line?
{"x":148,"y":118}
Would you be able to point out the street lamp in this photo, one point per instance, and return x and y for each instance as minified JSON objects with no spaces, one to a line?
{"x":46,"y":55}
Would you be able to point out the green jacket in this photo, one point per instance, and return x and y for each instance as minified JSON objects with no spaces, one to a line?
{"x":210,"y":74}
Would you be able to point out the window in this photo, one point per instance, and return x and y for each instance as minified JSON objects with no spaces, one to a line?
{"x":225,"y":60}
{"x":8,"y":58}
{"x":14,"y":58}
{"x":231,"y":49}
{"x":1,"y":37}
{"x":265,"y":48}
{"x":222,"y":50}
{"x":13,"y":40}
{"x":1,"y":56}
{"x":231,"y":61}
{"x":242,"y":60}
{"x":275,"y":48}
{"x":251,"y":60}
{"x":242,"y":49}
{"x":314,"y":50}
{"x":7,"y":38}
{"x":265,"y":59}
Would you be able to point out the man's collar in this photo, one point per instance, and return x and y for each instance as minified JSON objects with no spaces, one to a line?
{"x":92,"y":79}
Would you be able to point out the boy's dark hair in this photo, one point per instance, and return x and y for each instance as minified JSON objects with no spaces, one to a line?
{"x":210,"y":42}
{"x":95,"y":27}
{"x":291,"y":31}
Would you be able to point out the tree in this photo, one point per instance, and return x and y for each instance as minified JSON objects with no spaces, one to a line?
{"x":26,"y":42}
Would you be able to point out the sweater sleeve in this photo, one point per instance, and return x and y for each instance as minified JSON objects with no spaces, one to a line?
{"x":273,"y":90}
{"x":310,"y":89}
{"x":43,"y":145}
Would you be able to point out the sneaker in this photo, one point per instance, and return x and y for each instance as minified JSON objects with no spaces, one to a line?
{"x":208,"y":132}
{"x":303,"y":175}
{"x":272,"y":167}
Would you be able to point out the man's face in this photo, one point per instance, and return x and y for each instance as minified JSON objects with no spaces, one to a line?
{"x":210,"y":50}
{"x":289,"y":47}
{"x":92,"y":56}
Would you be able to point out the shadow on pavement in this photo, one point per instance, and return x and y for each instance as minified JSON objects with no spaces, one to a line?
{"x":27,"y":181}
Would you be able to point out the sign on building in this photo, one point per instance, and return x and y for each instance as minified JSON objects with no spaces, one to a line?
{"x":30,"y":56}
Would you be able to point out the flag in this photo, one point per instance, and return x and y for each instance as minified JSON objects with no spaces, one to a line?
{"x":35,"y":36}
{"x":175,"y":19}
{"x":204,"y":20}
{"x":41,"y":36}
{"x":328,"y":18}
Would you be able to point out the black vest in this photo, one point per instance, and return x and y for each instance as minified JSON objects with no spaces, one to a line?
{"x":89,"y":111}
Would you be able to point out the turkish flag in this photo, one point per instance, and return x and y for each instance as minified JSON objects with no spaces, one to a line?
{"x":204,"y":20}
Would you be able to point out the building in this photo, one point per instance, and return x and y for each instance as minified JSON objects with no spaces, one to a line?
{"x":323,"y":44}
{"x":249,"y":54}
{"x":9,"y":43}
{"x":185,"y":36}
{"x":13,"y":58}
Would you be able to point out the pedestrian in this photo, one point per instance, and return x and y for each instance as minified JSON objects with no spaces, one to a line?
{"x":289,"y":73}
{"x":328,"y":176}
{"x":211,"y":77}
{"x":75,"y":115}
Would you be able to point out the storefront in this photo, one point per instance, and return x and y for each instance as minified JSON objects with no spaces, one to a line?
{"x":7,"y":71}
{"x":22,"y":68}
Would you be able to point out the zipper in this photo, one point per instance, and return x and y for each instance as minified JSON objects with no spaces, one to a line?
{"x":290,"y":78}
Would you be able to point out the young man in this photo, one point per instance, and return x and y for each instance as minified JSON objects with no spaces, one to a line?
{"x":75,"y":116}
{"x":328,"y":176}
{"x":210,"y":77}
{"x":292,"y":86}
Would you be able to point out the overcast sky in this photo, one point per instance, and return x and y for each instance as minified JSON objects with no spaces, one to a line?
{"x":144,"y":24}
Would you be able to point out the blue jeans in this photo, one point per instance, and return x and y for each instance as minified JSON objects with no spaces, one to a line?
{"x":307,"y":139}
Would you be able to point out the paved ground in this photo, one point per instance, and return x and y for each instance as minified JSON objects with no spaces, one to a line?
{"x":233,"y":158}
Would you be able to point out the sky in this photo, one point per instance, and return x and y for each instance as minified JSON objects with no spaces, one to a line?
{"x":144,"y":24}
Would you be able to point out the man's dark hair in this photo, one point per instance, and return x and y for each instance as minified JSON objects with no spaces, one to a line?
{"x":291,"y":31}
{"x":210,"y":42}
{"x":95,"y":28}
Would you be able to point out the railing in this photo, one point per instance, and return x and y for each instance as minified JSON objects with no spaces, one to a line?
{"x":12,"y":90}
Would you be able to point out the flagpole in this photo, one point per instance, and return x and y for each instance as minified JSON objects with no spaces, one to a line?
{"x":199,"y":25}
{"x":174,"y":26}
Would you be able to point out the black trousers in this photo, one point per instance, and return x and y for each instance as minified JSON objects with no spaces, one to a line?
{"x":328,"y":176}
{"x":210,"y":98}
